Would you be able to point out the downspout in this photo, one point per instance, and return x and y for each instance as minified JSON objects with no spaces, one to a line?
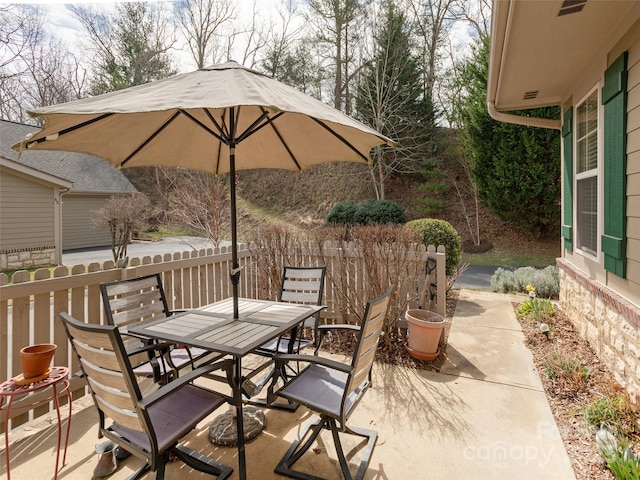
{"x":58,"y":224}
{"x":521,"y":119}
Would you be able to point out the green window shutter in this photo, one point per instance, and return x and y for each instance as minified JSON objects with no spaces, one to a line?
{"x":614,"y":99}
{"x":567,"y":184}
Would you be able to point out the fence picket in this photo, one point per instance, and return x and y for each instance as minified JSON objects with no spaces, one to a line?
{"x":29,"y":310}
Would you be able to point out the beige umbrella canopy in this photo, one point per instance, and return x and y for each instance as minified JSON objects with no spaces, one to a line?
{"x":218,"y":119}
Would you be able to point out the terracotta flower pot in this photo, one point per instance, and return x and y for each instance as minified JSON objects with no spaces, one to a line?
{"x":424,"y":331}
{"x":36,"y":359}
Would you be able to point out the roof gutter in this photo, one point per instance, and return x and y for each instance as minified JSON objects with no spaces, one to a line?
{"x":501,"y":21}
{"x":522,"y":119}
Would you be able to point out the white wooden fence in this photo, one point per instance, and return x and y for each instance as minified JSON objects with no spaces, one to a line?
{"x":30,"y":307}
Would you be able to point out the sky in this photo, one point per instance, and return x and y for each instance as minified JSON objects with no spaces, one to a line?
{"x":68,"y":28}
{"x":63,"y":23}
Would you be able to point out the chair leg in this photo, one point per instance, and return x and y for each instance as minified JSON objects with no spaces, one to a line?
{"x":369,"y":435}
{"x":139,"y":473}
{"x":298,"y":449}
{"x":202,"y":463}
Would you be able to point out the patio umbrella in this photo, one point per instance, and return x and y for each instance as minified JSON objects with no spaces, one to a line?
{"x":218,"y":119}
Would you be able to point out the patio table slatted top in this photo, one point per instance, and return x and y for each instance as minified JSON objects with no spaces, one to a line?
{"x":214,"y":328}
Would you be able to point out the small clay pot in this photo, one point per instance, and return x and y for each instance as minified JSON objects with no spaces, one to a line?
{"x":36,"y":359}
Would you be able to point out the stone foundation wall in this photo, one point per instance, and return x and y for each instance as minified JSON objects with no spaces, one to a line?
{"x":607,"y":321}
{"x":28,"y":258}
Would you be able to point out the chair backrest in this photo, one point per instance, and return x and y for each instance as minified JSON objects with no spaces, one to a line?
{"x":106,"y":368}
{"x":303,"y":285}
{"x":131,"y":301}
{"x":365,"y":350}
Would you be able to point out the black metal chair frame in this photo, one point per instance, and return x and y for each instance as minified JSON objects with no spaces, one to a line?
{"x":353,"y":379}
{"x":148,"y":427}
{"x":142,"y":298}
{"x":302,"y":285}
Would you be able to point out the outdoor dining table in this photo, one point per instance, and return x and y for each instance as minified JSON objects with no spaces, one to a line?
{"x":213,"y":327}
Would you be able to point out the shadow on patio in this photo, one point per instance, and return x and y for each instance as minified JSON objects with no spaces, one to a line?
{"x":483,"y":416}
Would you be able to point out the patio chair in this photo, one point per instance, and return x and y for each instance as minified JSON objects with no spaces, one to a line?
{"x":333,"y":390}
{"x":151,"y":427}
{"x":304,"y":285}
{"x":130,"y":301}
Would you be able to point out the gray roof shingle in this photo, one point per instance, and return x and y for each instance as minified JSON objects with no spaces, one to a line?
{"x":88,"y":173}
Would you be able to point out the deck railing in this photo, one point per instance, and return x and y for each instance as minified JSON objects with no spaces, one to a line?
{"x":30,"y":307}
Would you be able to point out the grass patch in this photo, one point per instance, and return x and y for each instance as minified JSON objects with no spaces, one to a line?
{"x":513,"y":259}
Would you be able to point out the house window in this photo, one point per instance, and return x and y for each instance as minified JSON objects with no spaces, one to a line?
{"x":587,"y":174}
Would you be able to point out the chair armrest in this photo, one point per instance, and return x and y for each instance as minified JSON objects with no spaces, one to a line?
{"x":339,"y":326}
{"x":162,"y":347}
{"x":180,"y":382}
{"x":282,"y":358}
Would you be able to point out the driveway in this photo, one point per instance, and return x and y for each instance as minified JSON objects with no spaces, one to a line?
{"x":139,"y":248}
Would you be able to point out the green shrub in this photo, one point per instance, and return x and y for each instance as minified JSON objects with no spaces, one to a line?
{"x":439,"y":232}
{"x":536,"y":308}
{"x":379,"y":211}
{"x":612,"y":413}
{"x":546,"y":281}
{"x":342,"y":213}
{"x":367,"y":212}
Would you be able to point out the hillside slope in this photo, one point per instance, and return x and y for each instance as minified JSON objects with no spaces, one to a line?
{"x":303,"y":200}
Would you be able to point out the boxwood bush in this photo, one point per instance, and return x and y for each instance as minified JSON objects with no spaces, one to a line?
{"x":433,"y":231}
{"x":342,"y":213}
{"x":367,"y":212}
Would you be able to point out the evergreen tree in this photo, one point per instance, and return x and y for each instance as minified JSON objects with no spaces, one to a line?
{"x":391,"y":97}
{"x":517,"y":168}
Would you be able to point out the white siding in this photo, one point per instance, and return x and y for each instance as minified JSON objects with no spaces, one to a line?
{"x":78,"y":230}
{"x":26,"y":212}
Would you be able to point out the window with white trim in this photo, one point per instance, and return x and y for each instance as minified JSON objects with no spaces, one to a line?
{"x":587,"y":174}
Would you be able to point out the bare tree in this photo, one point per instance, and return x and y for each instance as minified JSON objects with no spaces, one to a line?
{"x":129,"y":48}
{"x":203,"y":23}
{"x":123,"y":216}
{"x":53,"y":75}
{"x":432,"y":20}
{"x":41,"y":69}
{"x":477,"y":14}
{"x":392,"y":99}
{"x":201,"y":204}
{"x":21,"y":26}
{"x":252,"y":36}
{"x":337,"y":27}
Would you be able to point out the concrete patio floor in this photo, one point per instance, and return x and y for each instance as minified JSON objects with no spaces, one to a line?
{"x":483,"y":416}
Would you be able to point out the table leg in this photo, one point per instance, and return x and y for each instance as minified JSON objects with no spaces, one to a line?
{"x":237,"y":395}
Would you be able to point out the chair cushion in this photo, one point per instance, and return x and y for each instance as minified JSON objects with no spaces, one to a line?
{"x":283,"y":347}
{"x":173,"y":417}
{"x":321,"y":389}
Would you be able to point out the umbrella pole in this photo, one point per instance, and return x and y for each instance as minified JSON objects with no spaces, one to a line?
{"x":234,"y":273}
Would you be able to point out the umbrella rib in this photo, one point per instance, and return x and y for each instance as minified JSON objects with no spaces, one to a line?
{"x":198,"y":122}
{"x":75,"y":127}
{"x":251,"y":130}
{"x":341,"y":138}
{"x":284,"y":144}
{"x":148,"y":140}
